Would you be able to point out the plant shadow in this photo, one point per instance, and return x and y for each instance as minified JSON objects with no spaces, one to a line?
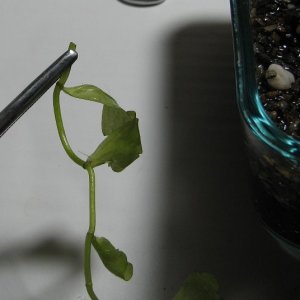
{"x":211,"y":225}
{"x":40,"y":269}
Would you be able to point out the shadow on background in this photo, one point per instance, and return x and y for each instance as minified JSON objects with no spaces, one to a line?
{"x":31,"y":263}
{"x":210,"y":223}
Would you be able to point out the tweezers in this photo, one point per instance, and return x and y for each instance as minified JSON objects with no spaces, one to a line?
{"x":17,"y":107}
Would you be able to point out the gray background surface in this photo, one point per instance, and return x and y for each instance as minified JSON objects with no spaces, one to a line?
{"x":184,"y":206}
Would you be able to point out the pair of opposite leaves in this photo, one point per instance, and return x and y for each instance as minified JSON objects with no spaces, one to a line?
{"x":122,"y":144}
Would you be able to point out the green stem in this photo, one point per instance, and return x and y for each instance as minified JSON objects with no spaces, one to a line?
{"x":58,"y":118}
{"x":92,"y":190}
{"x":90,"y":235}
{"x":87,"y":266}
{"x":60,"y":126}
{"x":63,"y":138}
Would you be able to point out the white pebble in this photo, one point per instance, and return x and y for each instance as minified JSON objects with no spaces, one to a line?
{"x":279,"y":78}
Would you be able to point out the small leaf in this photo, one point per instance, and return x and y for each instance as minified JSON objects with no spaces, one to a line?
{"x":198,"y":286}
{"x":120,"y":148}
{"x":113,"y":259}
{"x":92,"y":93}
{"x":113,"y":118}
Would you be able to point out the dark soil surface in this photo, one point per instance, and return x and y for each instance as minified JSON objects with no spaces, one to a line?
{"x":276,"y":33}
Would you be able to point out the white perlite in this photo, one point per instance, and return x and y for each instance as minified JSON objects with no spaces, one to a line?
{"x":279,"y":78}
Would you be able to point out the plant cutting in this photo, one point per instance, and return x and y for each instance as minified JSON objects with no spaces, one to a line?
{"x":120,"y":147}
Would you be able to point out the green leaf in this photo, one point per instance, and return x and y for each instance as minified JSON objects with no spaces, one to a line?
{"x":113,"y":118}
{"x":120,"y":148}
{"x":123,"y":144}
{"x":92,"y":93}
{"x":113,"y":259}
{"x":199,"y":286}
